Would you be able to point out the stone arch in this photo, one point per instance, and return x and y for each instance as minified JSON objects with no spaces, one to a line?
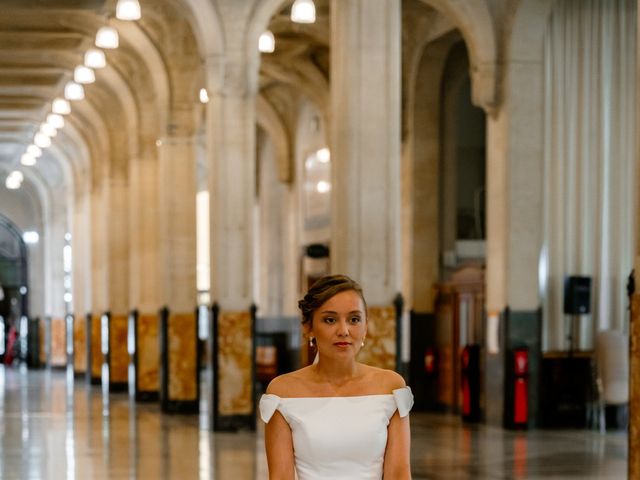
{"x":269,"y":119}
{"x":475,"y":22}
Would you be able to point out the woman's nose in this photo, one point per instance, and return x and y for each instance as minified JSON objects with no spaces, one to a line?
{"x":343,"y":328}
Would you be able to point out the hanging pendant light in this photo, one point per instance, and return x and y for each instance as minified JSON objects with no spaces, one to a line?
{"x":107,"y":37}
{"x":41,"y":140}
{"x":204,"y":95}
{"x":94,"y":58}
{"x":267,"y":42}
{"x":303,"y":11}
{"x":73,"y":91}
{"x":48,"y":130}
{"x":27,"y":160}
{"x":61,"y":106}
{"x":128,"y":10}
{"x":14,"y":180}
{"x":83,"y":74}
{"x":34,"y":151}
{"x":55,"y":120}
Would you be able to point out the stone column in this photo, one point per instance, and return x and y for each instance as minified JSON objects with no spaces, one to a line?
{"x":179,"y":388}
{"x":144,"y":262}
{"x":117,"y":236}
{"x":365,"y":152}
{"x":231,"y":125}
{"x":514,"y":229}
{"x":99,"y":269}
{"x":81,"y":274}
{"x":57,"y":310}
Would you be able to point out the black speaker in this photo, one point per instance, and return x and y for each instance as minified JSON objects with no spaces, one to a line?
{"x":577,"y":295}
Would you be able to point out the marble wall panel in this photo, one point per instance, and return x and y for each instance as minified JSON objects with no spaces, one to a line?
{"x":634,"y":388}
{"x":148,"y":363}
{"x":380,"y":345}
{"x":183,"y":357}
{"x":58,"y":342}
{"x":118,"y":353}
{"x":235,"y":362}
{"x":79,"y":345}
{"x":96,"y":350}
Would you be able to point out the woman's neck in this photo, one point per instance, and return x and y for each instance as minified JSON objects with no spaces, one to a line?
{"x":336,"y":372}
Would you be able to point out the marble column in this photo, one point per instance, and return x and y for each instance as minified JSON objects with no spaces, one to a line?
{"x":118,"y":278}
{"x":231,"y":125}
{"x":179,"y":388}
{"x":81,"y":274}
{"x":365,"y":152}
{"x":144,"y":261}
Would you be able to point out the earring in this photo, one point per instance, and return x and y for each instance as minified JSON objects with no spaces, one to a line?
{"x":362,"y":344}
{"x":311,"y":342}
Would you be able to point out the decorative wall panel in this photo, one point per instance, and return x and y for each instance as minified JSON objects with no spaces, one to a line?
{"x":148,"y":353}
{"x":183,"y":357}
{"x":235,"y":363}
{"x":380,"y":345}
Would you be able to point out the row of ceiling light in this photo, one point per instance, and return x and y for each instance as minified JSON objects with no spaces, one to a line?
{"x":107,"y":38}
{"x":302,"y":11}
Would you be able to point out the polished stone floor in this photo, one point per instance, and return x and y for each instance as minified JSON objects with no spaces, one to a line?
{"x":54,"y":428}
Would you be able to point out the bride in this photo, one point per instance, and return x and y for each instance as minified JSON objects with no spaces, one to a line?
{"x":338,"y":418}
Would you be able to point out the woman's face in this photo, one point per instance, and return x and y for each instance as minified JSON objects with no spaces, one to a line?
{"x":339,"y":325}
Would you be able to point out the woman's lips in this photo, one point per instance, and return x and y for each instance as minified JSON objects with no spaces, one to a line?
{"x":342,"y":344}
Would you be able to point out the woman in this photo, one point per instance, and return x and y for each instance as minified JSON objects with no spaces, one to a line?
{"x":338,"y":418}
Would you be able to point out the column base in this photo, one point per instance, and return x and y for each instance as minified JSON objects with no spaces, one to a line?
{"x":147,"y":396}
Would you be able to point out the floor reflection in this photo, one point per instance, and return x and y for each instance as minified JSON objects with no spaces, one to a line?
{"x":55,"y":426}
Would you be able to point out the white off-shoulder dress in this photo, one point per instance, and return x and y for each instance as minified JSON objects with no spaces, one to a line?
{"x":339,"y":438}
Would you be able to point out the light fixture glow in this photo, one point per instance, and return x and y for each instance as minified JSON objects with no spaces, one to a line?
{"x":68,"y":297}
{"x":323,"y":187}
{"x":14,"y":180}
{"x":303,"y":11}
{"x":84,"y":74}
{"x":324,"y":156}
{"x":48,"y":130}
{"x":27,"y":160}
{"x":55,"y":120}
{"x":204,"y":95}
{"x":73,"y":91}
{"x":61,"y":106}
{"x":94,"y":58}
{"x":128,"y":10}
{"x":30,"y":237}
{"x":267,"y":42}
{"x":34,"y":151}
{"x":107,"y":37}
{"x":42,"y":140}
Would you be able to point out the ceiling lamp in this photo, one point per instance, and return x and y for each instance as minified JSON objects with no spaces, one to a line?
{"x":61,"y":106}
{"x":48,"y":130}
{"x":303,"y":11}
{"x":27,"y":160}
{"x":84,"y":75}
{"x":55,"y":120}
{"x":204,"y":95}
{"x":41,"y":140}
{"x":324,"y":156}
{"x":107,"y":37}
{"x":267,"y":42}
{"x":323,"y":186}
{"x":14,"y":180}
{"x":73,"y":91}
{"x":128,"y":10}
{"x":34,"y":150}
{"x":94,"y":58}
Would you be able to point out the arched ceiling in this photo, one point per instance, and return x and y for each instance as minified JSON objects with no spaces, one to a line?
{"x":42,"y":41}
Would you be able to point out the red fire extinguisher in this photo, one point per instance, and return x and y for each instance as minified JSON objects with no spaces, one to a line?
{"x":520,"y":387}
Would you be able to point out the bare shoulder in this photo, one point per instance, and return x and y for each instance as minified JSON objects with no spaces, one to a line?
{"x":289,"y":384}
{"x":388,"y":380}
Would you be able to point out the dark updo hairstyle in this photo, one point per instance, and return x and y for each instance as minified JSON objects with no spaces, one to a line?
{"x":322,"y":290}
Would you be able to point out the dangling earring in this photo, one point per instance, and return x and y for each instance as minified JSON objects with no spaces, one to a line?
{"x":311,"y":342}
{"x":362,"y":344}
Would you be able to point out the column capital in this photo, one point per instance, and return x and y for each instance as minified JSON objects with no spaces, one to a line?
{"x":231,"y":74}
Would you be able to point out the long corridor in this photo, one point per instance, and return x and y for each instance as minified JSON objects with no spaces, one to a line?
{"x":56,"y":428}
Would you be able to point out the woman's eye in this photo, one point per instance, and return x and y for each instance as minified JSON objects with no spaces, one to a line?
{"x":329,"y":320}
{"x":355,"y":319}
